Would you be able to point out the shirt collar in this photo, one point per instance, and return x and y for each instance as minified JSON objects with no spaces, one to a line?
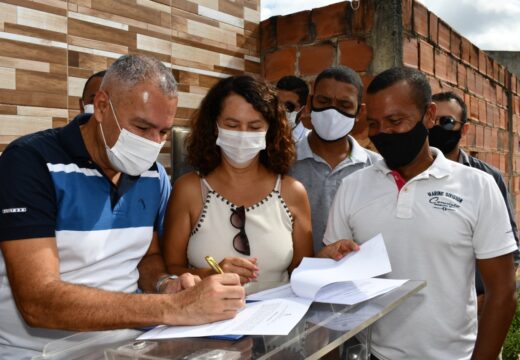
{"x":71,"y":139}
{"x":463,"y":158}
{"x":357,"y":152}
{"x":303,"y":149}
{"x":440,"y":167}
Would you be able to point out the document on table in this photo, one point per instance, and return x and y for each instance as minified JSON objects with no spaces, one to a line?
{"x":353,"y":292}
{"x":348,"y":281}
{"x":344,"y":321}
{"x":270,"y":317}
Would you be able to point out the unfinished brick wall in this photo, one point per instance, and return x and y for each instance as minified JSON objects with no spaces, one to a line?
{"x":307,"y":42}
{"x":453,"y":63}
{"x":384,"y":33}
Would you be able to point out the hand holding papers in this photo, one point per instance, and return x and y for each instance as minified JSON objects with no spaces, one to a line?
{"x":347,"y":281}
{"x":312,"y":274}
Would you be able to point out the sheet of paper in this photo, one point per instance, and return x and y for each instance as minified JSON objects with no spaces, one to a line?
{"x":279,"y":292}
{"x":354,"y":292}
{"x":345,"y":293}
{"x":313,"y":273}
{"x":344,"y":321}
{"x":270,"y":317}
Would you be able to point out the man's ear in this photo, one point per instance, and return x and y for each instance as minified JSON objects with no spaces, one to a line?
{"x":429,"y":116}
{"x":464,"y":129}
{"x":100,"y":105}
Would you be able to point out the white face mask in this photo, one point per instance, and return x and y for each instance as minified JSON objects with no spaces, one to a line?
{"x":240,"y":147}
{"x":131,"y":154}
{"x":330,"y":124}
{"x":88,"y":108}
{"x":291,"y":118}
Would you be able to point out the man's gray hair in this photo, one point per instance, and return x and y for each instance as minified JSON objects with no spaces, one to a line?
{"x":131,"y":70}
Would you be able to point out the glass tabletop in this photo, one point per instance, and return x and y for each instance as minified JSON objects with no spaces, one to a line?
{"x":323,"y":328}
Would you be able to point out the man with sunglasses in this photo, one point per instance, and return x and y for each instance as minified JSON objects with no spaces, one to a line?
{"x":293,"y":92}
{"x":81,"y":210}
{"x":437,"y":217}
{"x":450,"y":125}
{"x":328,"y":153}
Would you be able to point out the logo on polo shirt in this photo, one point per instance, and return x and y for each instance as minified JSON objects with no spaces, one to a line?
{"x":444,"y":200}
{"x":14,"y":210}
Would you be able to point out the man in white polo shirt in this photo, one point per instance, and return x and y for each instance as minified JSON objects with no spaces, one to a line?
{"x":436,"y":217}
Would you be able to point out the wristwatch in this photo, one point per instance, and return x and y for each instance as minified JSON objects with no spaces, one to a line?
{"x":162,"y":280}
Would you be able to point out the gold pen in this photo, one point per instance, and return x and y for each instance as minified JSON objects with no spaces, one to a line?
{"x":214,"y":265}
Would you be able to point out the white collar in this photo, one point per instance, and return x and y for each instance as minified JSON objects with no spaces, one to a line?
{"x":440,"y":167}
{"x":358,"y":153}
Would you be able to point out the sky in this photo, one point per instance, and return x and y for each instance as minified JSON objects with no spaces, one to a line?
{"x":489,"y":24}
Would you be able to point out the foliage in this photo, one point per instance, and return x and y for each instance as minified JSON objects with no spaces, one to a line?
{"x":511,"y":350}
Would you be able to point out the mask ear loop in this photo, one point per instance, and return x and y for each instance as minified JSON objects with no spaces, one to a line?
{"x":114,"y":113}
{"x":355,"y":7}
{"x":117,"y":122}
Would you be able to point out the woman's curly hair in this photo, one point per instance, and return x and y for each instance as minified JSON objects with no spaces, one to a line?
{"x":204,"y":154}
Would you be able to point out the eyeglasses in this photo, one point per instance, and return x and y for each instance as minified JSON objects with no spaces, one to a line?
{"x":447,"y":122}
{"x":238,"y":220}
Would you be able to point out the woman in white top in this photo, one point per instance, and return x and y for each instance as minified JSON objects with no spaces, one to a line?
{"x":239,"y":207}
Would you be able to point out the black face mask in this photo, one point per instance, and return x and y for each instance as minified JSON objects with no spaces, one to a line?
{"x":400,"y":149}
{"x":444,"y":140}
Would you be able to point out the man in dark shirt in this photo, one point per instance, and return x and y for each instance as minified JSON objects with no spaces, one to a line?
{"x":92,"y":85}
{"x":293,"y":92}
{"x":451,"y":124}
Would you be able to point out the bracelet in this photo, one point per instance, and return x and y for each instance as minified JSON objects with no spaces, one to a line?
{"x":162,"y":280}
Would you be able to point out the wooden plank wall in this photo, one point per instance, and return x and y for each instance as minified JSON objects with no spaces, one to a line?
{"x":48,"y":48}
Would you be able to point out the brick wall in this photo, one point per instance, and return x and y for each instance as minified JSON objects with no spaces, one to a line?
{"x":384,"y":33}
{"x":306,"y":42}
{"x":453,"y":63}
{"x":48,"y":48}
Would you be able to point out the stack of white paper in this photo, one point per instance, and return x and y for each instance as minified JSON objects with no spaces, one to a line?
{"x":348,"y":281}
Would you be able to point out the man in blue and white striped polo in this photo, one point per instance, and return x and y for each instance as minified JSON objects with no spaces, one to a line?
{"x":80,"y":212}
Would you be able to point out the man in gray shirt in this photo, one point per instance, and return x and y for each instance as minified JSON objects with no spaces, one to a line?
{"x":328,"y":153}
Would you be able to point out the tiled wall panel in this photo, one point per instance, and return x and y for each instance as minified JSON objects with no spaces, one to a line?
{"x":48,"y":48}
{"x":33,"y":67}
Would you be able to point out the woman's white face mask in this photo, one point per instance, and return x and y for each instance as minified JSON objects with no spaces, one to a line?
{"x":131,"y":154}
{"x":240,"y":147}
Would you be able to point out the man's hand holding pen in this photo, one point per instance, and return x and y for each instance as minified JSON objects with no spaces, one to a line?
{"x":217,"y":297}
